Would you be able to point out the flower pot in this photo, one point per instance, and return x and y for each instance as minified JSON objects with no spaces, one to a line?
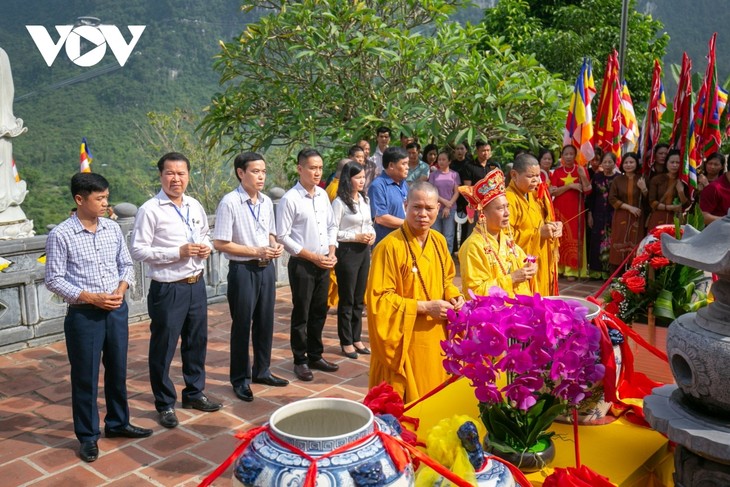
{"x":528,"y":461}
{"x":594,"y":410}
{"x":316,"y":427}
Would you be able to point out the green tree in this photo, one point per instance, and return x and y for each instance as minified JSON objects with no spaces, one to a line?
{"x":211,"y":173}
{"x":326,"y":72}
{"x":560,"y":33}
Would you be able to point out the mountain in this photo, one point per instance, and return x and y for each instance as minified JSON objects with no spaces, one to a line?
{"x":690,"y":24}
{"x":106,"y":103}
{"x":171,"y":66}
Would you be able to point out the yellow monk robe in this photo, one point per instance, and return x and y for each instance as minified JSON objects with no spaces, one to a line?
{"x":406,"y":350}
{"x":486,"y":263}
{"x":526,"y":216}
{"x":332,"y":294}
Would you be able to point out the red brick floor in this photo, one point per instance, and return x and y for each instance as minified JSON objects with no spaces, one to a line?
{"x":38,"y":447}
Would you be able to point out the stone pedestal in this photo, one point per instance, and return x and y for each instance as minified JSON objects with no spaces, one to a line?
{"x":695,"y":413}
{"x":702,"y":456}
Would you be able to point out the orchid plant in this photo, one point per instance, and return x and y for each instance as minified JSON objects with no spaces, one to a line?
{"x":547,"y":351}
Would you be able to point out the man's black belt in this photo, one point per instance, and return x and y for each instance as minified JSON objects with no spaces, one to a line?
{"x":253,"y":262}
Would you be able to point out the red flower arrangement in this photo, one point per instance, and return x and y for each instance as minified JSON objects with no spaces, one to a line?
{"x":653,"y":280}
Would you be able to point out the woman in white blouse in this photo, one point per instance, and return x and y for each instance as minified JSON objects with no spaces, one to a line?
{"x":355,"y":235}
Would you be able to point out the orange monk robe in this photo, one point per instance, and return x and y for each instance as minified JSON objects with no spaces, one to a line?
{"x":526,"y":215}
{"x":332,"y":293}
{"x":486,"y":262}
{"x":406,"y":350}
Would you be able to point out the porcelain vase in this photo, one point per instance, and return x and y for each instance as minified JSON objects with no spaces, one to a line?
{"x":317,"y":427}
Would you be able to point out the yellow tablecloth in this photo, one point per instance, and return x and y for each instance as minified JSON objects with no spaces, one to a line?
{"x":629,"y":455}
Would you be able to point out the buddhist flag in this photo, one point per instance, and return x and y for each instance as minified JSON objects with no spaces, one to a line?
{"x":86,"y":157}
{"x":608,"y":116}
{"x":651,"y":128}
{"x":15,"y":172}
{"x":579,"y":124}
{"x":4,"y":264}
{"x":682,"y":108}
{"x":629,"y":124}
{"x":711,"y":101}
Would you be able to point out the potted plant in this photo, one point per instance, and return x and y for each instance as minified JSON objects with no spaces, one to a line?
{"x":529,"y":360}
{"x":653,"y":282}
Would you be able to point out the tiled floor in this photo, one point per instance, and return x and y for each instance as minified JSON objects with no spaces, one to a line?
{"x":38,"y":447}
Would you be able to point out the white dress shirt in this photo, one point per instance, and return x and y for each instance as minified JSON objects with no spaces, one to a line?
{"x":349,"y":224}
{"x":306,"y":222}
{"x":161,"y":228}
{"x":240,"y":221}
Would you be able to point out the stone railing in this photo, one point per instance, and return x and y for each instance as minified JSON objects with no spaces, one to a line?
{"x":30,"y":315}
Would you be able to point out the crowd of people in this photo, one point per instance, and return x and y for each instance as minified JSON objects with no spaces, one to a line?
{"x":382,"y":239}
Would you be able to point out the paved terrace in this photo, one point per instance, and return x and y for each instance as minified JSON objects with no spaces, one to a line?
{"x":38,"y":446}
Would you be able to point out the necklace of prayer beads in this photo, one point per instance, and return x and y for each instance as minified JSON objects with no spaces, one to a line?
{"x":494,"y":255}
{"x":415,"y":269}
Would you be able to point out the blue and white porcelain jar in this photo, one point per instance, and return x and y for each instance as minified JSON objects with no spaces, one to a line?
{"x":317,"y":427}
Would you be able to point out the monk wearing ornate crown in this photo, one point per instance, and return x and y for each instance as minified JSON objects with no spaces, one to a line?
{"x":489,"y":257}
{"x":532,"y":219}
{"x":409,"y":291}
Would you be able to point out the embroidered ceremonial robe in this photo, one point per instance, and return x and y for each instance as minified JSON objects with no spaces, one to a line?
{"x":406,"y":350}
{"x":480,"y":269}
{"x":526,"y":215}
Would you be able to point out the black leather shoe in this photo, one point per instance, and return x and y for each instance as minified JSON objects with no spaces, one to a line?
{"x":128,"y":431}
{"x":348,"y":354}
{"x":89,"y":451}
{"x":303,"y":373}
{"x":243,"y":393}
{"x":324,"y":366}
{"x":202,"y":403}
{"x":272,"y":381}
{"x":362,"y":351}
{"x":168,"y":418}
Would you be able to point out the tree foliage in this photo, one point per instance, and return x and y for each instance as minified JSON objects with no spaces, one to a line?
{"x":326,"y":72}
{"x":561,"y":32}
{"x":211,"y":174}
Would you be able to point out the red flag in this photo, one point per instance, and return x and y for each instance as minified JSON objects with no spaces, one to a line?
{"x":608,"y":117}
{"x":651,"y":128}
{"x":682,"y":137}
{"x":711,"y":101}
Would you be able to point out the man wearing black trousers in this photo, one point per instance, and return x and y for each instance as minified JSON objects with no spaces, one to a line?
{"x":245,"y":231}
{"x":171,"y":236}
{"x":306,"y":227}
{"x":88,"y":265}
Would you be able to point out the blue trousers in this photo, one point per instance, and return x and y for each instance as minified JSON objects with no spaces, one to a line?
{"x":95,"y":336}
{"x":251,"y":298}
{"x":178,"y":311}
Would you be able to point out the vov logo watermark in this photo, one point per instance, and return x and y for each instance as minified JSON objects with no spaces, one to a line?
{"x":91,"y":30}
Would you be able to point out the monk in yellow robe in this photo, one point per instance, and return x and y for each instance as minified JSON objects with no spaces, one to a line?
{"x":489,"y":257}
{"x":532,"y":221}
{"x":410,"y":289}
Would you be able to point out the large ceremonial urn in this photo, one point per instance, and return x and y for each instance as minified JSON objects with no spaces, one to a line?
{"x":696,"y":412}
{"x":338,"y":435}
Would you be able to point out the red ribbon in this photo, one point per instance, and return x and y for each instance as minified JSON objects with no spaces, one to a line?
{"x":246,"y":438}
{"x":631,"y":384}
{"x":396,"y":448}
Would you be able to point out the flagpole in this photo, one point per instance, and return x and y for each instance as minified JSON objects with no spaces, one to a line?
{"x":624,"y":34}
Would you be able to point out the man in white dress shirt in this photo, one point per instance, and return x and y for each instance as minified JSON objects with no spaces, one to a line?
{"x":245,"y":231}
{"x":306,"y":227}
{"x":171,"y":236}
